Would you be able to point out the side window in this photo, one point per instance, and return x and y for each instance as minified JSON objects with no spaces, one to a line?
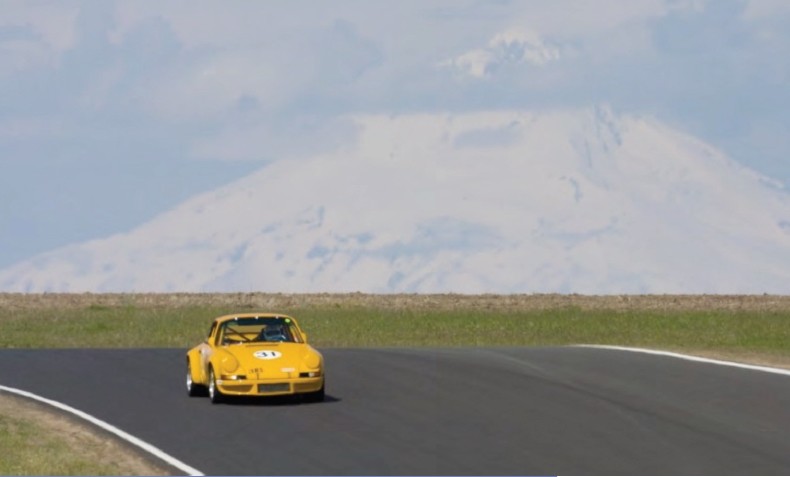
{"x":211,"y":331}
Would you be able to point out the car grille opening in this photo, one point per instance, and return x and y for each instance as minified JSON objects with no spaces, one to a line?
{"x":274,"y":388}
{"x":305,"y":388}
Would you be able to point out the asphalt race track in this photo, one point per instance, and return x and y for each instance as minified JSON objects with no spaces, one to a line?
{"x":447,"y":411}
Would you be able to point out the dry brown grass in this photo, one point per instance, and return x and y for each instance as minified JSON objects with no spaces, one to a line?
{"x":444,"y":302}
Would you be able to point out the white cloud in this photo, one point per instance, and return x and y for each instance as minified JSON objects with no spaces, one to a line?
{"x":770,"y":24}
{"x":761,"y":9}
{"x":510,"y":47}
{"x":21,"y":55}
{"x":53,"y":22}
{"x":474,"y":62}
{"x":40,"y":34}
{"x":582,"y":18}
{"x":211,"y":86}
{"x":277,"y":68}
{"x":230,"y":24}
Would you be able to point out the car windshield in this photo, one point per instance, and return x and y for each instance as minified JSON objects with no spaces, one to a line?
{"x":257,"y":330}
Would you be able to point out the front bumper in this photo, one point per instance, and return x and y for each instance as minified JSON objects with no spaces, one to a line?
{"x":269,"y":387}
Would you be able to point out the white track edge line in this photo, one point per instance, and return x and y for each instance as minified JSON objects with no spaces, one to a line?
{"x":156,"y":452}
{"x":686,"y":357}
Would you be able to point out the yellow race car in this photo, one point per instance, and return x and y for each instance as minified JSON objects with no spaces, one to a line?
{"x":255,"y":354}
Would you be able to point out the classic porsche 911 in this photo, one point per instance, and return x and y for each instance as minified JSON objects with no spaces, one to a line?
{"x":255,"y":354}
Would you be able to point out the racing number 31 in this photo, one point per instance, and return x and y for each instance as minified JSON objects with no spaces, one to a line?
{"x":266,"y":354}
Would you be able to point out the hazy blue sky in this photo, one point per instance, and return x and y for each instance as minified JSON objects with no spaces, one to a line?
{"x":113,"y":111}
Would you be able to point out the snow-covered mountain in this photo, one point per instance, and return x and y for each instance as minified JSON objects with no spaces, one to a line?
{"x":582,"y":201}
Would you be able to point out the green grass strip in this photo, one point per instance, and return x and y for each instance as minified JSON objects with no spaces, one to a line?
{"x":131,"y":326}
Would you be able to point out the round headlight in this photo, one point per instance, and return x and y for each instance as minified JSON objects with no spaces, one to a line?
{"x":312,"y":361}
{"x":229,"y":364}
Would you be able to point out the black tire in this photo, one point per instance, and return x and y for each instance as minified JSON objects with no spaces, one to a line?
{"x":192,"y":388}
{"x":214,"y":394}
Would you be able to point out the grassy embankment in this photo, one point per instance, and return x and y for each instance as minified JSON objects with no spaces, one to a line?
{"x":752,"y":329}
{"x":35,"y":440}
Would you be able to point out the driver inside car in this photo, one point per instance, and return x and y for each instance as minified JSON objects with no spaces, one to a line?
{"x":274,"y":333}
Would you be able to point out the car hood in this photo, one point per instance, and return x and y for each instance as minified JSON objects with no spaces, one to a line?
{"x":272,"y":360}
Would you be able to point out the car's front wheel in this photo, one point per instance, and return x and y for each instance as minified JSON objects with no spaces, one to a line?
{"x":213,"y":393}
